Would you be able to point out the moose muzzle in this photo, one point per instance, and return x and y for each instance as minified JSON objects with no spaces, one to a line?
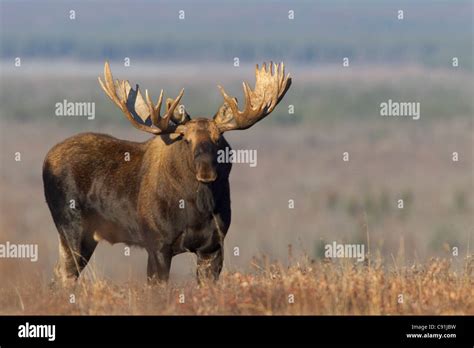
{"x":205,"y":168}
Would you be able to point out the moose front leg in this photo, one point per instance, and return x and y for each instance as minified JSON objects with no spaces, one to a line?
{"x":209,"y":265}
{"x":159,"y":264}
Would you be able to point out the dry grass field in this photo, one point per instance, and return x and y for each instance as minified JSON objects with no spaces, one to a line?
{"x":304,"y":288}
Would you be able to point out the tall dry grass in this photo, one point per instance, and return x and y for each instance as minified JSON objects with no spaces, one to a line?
{"x":303,"y":288}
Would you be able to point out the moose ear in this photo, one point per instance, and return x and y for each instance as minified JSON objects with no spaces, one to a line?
{"x":175,"y":136}
{"x":180,"y":116}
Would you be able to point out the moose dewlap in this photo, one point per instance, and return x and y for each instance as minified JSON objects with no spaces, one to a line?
{"x":133,"y":193}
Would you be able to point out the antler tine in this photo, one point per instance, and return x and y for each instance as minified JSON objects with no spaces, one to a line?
{"x":154,"y":109}
{"x":173,"y":106}
{"x":229,"y":100}
{"x":108,"y":87}
{"x":157,"y":120}
{"x":248,"y":103}
{"x":160,"y":100}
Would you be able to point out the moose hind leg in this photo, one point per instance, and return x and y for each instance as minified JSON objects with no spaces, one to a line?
{"x":159,"y":264}
{"x":88,"y":245}
{"x":75,"y":250}
{"x":67,"y":268}
{"x":209,"y":265}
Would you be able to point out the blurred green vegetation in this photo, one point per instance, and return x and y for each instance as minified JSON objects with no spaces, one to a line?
{"x":28,"y":98}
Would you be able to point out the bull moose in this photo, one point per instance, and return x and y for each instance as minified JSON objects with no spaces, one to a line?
{"x":168,"y":195}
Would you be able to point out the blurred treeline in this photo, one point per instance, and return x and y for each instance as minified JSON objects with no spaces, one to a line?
{"x":332,"y":96}
{"x":322,"y":32}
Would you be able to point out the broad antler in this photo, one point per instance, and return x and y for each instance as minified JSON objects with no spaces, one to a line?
{"x":270,"y":87}
{"x":134,"y":107}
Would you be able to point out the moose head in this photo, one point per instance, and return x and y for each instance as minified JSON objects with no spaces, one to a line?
{"x":201,"y":134}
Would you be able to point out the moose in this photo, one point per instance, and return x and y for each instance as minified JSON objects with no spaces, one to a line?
{"x":168,"y":195}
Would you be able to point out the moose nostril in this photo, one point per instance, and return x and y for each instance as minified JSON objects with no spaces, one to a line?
{"x":206,"y":178}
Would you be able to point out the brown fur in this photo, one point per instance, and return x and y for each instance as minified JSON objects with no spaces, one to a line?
{"x":137,"y":202}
